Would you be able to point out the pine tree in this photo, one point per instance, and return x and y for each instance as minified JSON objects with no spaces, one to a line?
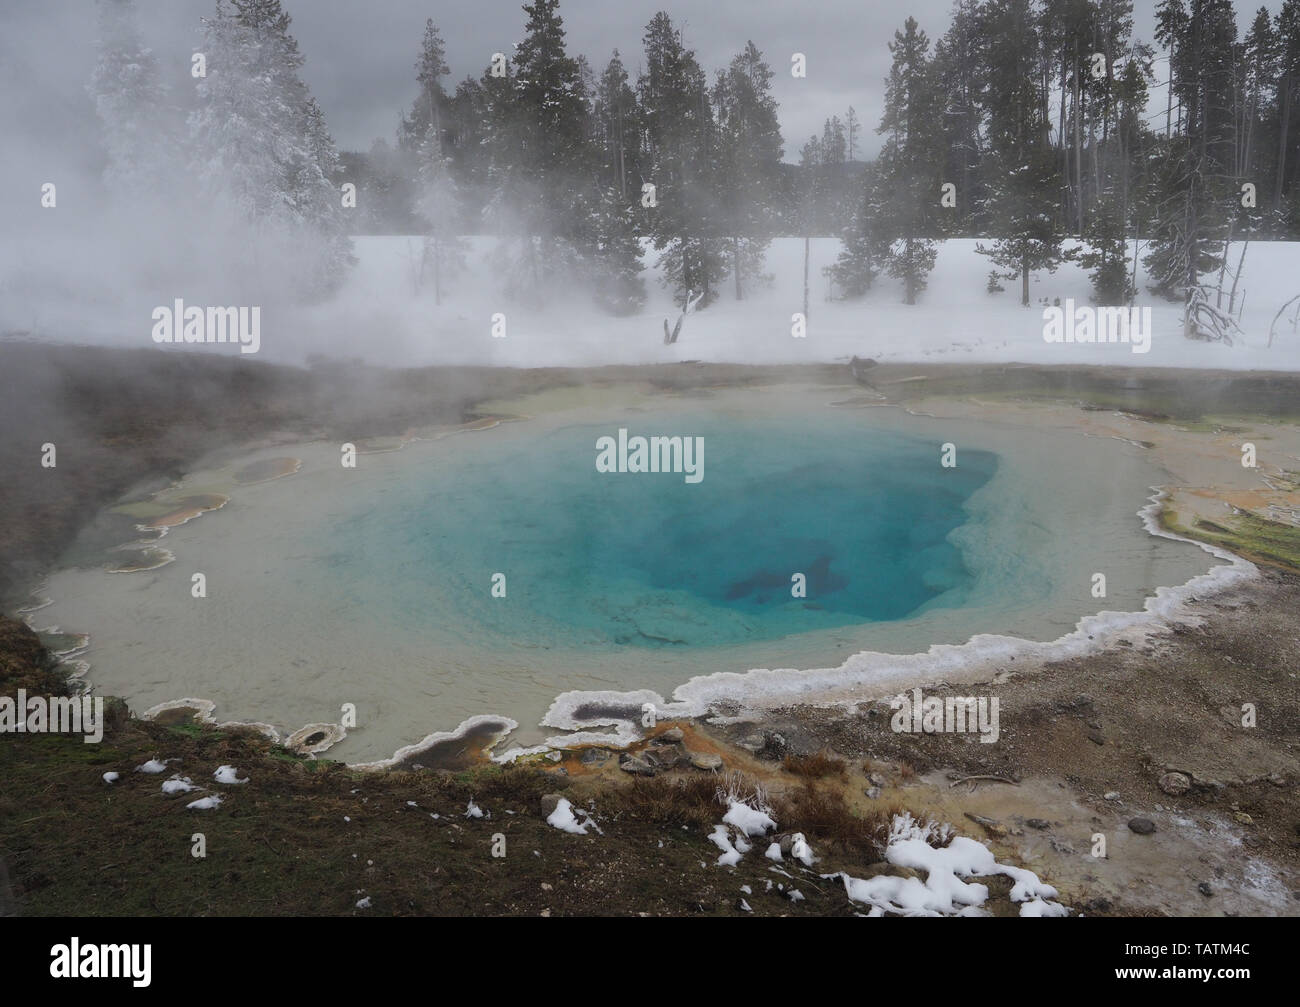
{"x":260,"y":142}
{"x":907,"y":182}
{"x":749,"y":139}
{"x":1195,"y":176}
{"x":680,"y":158}
{"x":618,"y":124}
{"x":1022,"y":210}
{"x":132,"y":104}
{"x":436,"y":194}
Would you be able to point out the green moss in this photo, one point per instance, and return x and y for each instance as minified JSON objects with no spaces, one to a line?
{"x":1248,"y":535}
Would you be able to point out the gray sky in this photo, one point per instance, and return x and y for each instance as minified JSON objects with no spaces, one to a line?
{"x":360,"y":55}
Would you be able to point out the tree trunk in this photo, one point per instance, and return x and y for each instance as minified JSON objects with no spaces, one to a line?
{"x":735,"y":262}
{"x":806,"y":242}
{"x":1281,"y":148}
{"x":1024,"y":280}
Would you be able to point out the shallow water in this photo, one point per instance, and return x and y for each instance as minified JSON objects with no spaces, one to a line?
{"x":373,"y":586}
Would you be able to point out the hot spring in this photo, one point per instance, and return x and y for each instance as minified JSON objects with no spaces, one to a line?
{"x":488,"y":571}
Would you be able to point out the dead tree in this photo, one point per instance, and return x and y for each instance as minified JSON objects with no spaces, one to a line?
{"x":671,"y":337}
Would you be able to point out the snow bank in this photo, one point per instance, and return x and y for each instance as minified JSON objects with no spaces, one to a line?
{"x":565,"y":820}
{"x":944,"y":892}
{"x":955,"y":319}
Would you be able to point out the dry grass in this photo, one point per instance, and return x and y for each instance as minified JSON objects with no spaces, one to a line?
{"x":823,"y":814}
{"x":816,"y":767}
{"x":687,"y":800}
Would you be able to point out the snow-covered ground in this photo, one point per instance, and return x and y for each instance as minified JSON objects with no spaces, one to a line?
{"x":379,"y":316}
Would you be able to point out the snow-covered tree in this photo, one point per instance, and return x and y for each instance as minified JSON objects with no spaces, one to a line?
{"x":259,"y":141}
{"x":133,"y":107}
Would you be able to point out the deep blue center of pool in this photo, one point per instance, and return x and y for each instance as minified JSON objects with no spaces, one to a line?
{"x":648,"y":560}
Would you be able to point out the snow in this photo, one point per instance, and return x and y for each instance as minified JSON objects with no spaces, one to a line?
{"x":152,"y":766}
{"x":228,"y":774}
{"x":750,"y":821}
{"x":205,"y":803}
{"x":110,"y":777}
{"x":472,"y":810}
{"x":956,"y":320}
{"x":944,"y":892}
{"x":773,"y":852}
{"x":364,"y":903}
{"x":800,"y":850}
{"x":722,"y":840}
{"x":564,"y":819}
{"x":178,"y":785}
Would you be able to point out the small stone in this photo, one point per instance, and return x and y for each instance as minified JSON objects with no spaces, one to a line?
{"x":637,"y":767}
{"x":1096,"y":738}
{"x":753,"y":743}
{"x":671,"y":736}
{"x":707,"y":761}
{"x":1175,"y":783}
{"x":1205,"y":889}
{"x":549,"y":803}
{"x":1142,"y":826}
{"x":555,"y":756}
{"x":873,"y":793}
{"x":1037,"y":823}
{"x":876,"y":779}
{"x":1111,"y":795}
{"x":591,"y":756}
{"x":1243,"y":818}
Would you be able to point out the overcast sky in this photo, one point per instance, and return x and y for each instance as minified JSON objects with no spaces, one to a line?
{"x":360,"y":53}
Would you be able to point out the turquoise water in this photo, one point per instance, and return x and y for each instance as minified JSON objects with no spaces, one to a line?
{"x":647,"y":560}
{"x":372,"y":586}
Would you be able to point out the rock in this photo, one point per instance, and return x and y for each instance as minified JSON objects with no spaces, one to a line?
{"x":876,"y":779}
{"x":1142,"y":826}
{"x":670,"y":737}
{"x":752,"y":743}
{"x":1277,"y":779}
{"x":637,"y":767}
{"x":1175,"y":783}
{"x":116,"y":715}
{"x":1096,"y":738}
{"x":1205,"y":889}
{"x":1111,"y":795}
{"x":873,"y":793}
{"x":555,"y":756}
{"x":707,"y":761}
{"x":591,"y":756}
{"x":665,"y":756}
{"x":549,"y":803}
{"x":990,"y":826}
{"x":1037,"y":823}
{"x":786,"y":842}
{"x":1243,"y":818}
